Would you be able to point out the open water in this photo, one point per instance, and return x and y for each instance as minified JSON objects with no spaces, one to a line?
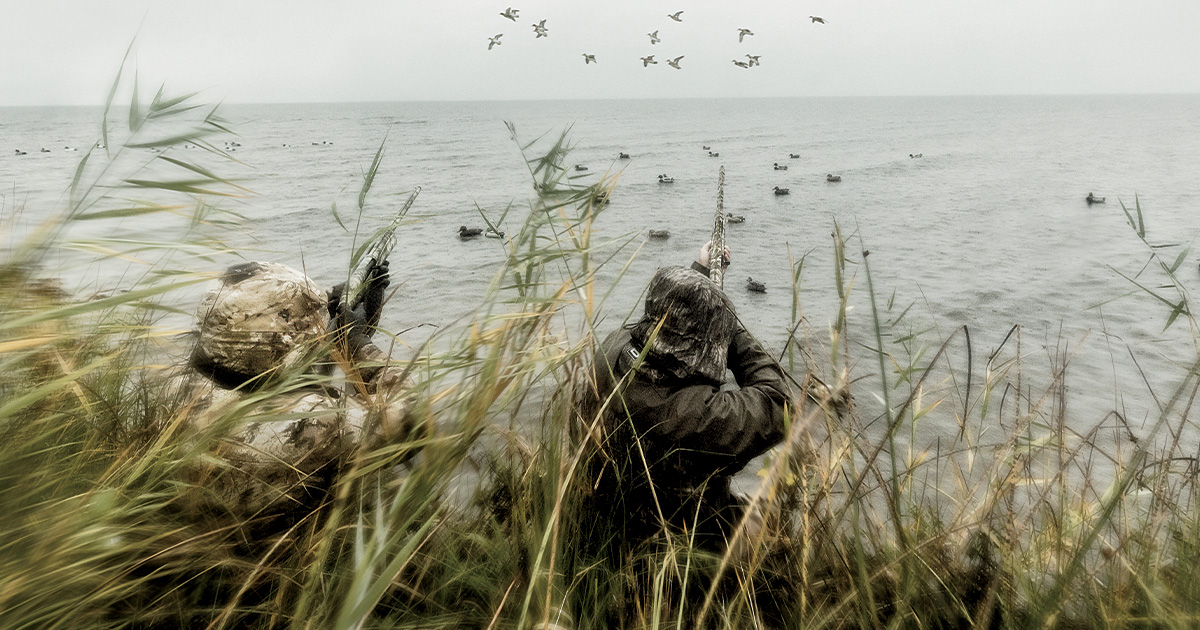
{"x":987,"y":229}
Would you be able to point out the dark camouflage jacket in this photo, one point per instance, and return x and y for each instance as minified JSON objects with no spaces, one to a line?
{"x":666,"y":449}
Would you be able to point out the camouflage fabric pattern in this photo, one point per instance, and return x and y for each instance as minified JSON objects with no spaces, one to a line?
{"x":278,"y":453}
{"x":276,"y":446}
{"x":698,"y":324}
{"x":259,"y":317}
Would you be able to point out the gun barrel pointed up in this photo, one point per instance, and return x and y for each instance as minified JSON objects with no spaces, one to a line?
{"x":377,"y":249}
{"x":716,"y":257}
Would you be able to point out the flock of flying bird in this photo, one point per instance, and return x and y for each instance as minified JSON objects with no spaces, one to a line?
{"x":540,"y":30}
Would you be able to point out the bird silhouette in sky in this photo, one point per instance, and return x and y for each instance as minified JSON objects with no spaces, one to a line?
{"x":816,"y":19}
{"x":741,"y":64}
{"x":494,"y":41}
{"x":675,"y":16}
{"x":674,"y":63}
{"x":540,"y":29}
{"x":588,"y":59}
{"x":742,"y":33}
{"x":753,"y":60}
{"x":511,"y":13}
{"x":646,"y":61}
{"x":654,"y":37}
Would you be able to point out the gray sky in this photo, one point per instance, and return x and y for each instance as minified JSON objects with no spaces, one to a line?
{"x":68,"y":51}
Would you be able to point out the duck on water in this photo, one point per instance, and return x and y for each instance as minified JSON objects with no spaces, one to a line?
{"x":466,"y":233}
{"x":1091,"y":199}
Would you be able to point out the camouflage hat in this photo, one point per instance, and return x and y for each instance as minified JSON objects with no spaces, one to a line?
{"x":258,"y":317}
{"x":699,"y":323}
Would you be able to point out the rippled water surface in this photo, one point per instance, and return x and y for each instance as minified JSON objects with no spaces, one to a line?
{"x":987,"y":229}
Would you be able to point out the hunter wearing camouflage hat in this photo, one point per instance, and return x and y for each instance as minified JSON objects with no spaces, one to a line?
{"x":667,"y":433}
{"x":257,"y":391}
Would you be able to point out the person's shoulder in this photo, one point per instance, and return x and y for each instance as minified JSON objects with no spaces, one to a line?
{"x":612,"y":345}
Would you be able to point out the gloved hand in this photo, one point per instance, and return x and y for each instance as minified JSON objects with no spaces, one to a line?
{"x":354,"y":324}
{"x":370,"y":299}
{"x":705,"y":256}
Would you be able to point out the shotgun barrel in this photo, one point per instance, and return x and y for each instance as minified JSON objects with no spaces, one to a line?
{"x":716,"y":251}
{"x":377,"y":249}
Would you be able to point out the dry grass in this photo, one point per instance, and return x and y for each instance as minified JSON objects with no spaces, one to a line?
{"x":1008,"y":523}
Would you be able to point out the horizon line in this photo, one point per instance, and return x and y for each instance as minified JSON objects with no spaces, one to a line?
{"x":656,"y":98}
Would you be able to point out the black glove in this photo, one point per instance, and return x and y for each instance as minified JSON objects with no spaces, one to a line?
{"x":370,"y":299}
{"x":354,"y":324}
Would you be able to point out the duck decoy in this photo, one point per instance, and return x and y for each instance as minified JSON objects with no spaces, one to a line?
{"x":780,"y":167}
{"x":665,"y":179}
{"x":833,"y":178}
{"x":623,"y":156}
{"x":580,"y":168}
{"x":734,"y":218}
{"x":794,"y":155}
{"x":465,"y":232}
{"x":755,"y":286}
{"x":713,"y":154}
{"x":781,"y":191}
{"x":660,"y":233}
{"x":705,"y":147}
{"x":493,"y":233}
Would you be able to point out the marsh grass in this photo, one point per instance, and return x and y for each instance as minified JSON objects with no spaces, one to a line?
{"x":1025,"y":516}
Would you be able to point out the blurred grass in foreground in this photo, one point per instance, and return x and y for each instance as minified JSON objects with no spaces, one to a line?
{"x":1005,"y":524}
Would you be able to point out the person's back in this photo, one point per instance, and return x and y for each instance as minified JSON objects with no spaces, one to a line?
{"x":252,"y":390}
{"x":667,"y":438}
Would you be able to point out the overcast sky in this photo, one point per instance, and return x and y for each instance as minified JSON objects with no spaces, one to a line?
{"x":248,"y":51}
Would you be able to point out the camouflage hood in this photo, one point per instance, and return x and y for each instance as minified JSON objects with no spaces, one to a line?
{"x":698,"y":324}
{"x":259,"y":317}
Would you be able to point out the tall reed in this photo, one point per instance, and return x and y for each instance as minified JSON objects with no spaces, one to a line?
{"x":473,"y":520}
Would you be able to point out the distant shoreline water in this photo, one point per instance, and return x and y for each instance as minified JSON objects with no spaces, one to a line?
{"x":989,"y":228}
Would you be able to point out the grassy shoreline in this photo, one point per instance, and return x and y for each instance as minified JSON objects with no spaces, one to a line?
{"x":1003,"y":525}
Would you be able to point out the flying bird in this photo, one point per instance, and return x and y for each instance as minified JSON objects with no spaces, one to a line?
{"x":753,"y":60}
{"x":588,"y":59}
{"x":494,"y":41}
{"x":646,"y":61}
{"x":654,"y":37}
{"x":674,"y":63}
{"x":511,"y":13}
{"x":675,"y":16}
{"x":741,"y":64}
{"x":540,"y":29}
{"x":742,"y":33}
{"x":816,"y":19}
